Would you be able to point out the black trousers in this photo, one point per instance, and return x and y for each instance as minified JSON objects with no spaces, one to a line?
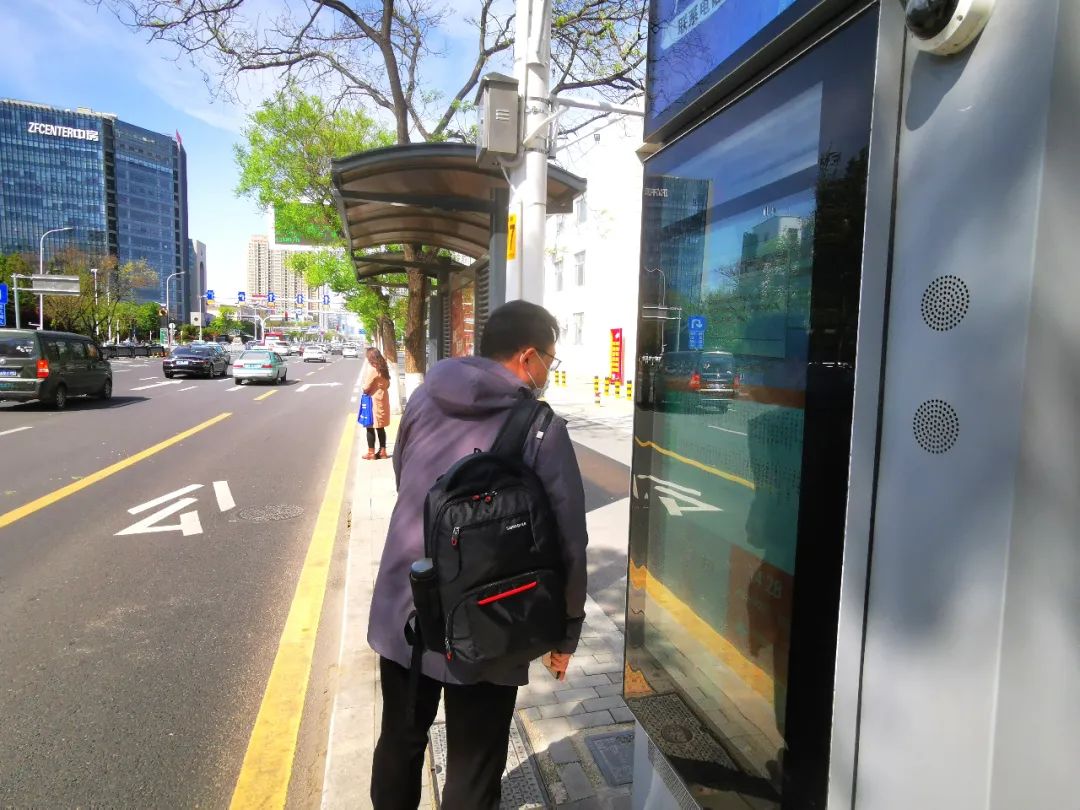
{"x":478,"y":720}
{"x":371,"y":438}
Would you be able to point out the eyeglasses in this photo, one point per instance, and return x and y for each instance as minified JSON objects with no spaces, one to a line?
{"x":555,"y":361}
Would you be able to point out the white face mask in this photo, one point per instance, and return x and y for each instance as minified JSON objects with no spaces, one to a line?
{"x":537,"y":390}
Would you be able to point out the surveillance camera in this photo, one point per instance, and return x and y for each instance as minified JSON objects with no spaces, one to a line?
{"x":946,"y":26}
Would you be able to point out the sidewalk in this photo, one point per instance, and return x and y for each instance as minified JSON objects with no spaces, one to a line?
{"x":567,"y":736}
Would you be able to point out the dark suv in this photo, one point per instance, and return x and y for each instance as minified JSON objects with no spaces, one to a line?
{"x":698,"y":381}
{"x":51,"y":366}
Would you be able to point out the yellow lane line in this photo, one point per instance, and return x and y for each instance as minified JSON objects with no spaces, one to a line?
{"x":264,"y":396}
{"x":8,"y":518}
{"x":704,"y":633}
{"x":693,"y":462}
{"x":264,"y":776}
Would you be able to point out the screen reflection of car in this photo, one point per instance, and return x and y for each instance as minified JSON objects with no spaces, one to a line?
{"x":698,"y":381}
{"x":207,"y":361}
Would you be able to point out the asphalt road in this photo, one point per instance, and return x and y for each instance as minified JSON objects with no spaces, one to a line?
{"x":136,"y":643}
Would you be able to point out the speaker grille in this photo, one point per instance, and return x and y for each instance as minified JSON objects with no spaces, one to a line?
{"x":936,"y":426}
{"x":945,"y":303}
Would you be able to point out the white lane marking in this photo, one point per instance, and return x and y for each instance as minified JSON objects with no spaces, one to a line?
{"x":156,"y":385}
{"x":189,"y":388}
{"x":726,"y":430}
{"x":306,"y":386}
{"x":189,"y":521}
{"x":225,"y":500}
{"x":676,"y":498}
{"x":234,"y":388}
{"x":15,"y":430}
{"x":227,"y":378}
{"x":142,"y":507}
{"x":144,"y":379}
{"x":309,"y":373}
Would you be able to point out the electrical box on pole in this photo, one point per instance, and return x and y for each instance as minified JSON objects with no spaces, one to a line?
{"x":500,"y":118}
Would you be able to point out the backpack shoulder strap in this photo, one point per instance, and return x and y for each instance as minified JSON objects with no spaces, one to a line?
{"x":515,"y":430}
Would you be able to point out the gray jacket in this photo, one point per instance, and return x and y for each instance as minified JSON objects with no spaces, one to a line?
{"x":459,"y":408}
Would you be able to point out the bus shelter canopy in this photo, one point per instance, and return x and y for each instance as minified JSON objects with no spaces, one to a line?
{"x":431,"y":194}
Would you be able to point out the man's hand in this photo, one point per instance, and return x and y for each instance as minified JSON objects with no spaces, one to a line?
{"x":558,"y":664}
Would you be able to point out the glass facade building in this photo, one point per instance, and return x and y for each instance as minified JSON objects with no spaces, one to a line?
{"x":122,"y":188}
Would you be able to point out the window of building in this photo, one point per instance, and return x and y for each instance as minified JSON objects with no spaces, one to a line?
{"x":579,"y":328}
{"x":558,"y":275}
{"x":579,"y":268}
{"x":581,"y":209}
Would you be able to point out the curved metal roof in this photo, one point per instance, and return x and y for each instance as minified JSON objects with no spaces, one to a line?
{"x":431,"y":193}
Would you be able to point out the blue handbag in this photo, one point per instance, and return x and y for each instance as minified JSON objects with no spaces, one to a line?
{"x":366,"y":417}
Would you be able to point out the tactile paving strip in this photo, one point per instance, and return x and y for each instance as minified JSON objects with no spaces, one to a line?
{"x":521,"y":788}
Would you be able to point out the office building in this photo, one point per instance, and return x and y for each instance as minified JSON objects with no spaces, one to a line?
{"x":197,"y":275}
{"x":122,"y":189}
{"x":267,"y":273}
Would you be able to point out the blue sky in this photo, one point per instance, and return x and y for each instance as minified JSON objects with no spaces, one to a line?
{"x":69,"y":54}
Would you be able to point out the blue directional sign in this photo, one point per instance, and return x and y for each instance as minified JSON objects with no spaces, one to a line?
{"x":300,"y":299}
{"x":697,"y":340}
{"x":3,"y":315}
{"x":326,"y":300}
{"x":241,"y":297}
{"x":696,"y":323}
{"x":3,"y":294}
{"x":209,"y":295}
{"x":270,"y":298}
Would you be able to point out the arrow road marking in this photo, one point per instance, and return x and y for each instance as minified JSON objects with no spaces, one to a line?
{"x":156,"y":385}
{"x":676,"y":498}
{"x":189,"y":521}
{"x":225,"y":500}
{"x":142,"y":507}
{"x":306,"y":386}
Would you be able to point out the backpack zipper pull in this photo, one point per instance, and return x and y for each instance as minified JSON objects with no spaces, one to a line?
{"x":454,"y":536}
{"x":449,"y":654}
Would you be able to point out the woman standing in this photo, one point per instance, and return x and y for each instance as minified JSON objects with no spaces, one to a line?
{"x":376,"y":383}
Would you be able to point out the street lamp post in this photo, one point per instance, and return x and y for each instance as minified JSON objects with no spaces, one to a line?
{"x":41,"y":271}
{"x":95,"y":272}
{"x":168,"y":309}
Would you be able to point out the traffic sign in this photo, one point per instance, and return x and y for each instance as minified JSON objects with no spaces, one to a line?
{"x":697,"y":340}
{"x":326,"y":300}
{"x":209,"y":295}
{"x":300,"y":299}
{"x":696,"y":323}
{"x":271,"y":298}
{"x":3,"y":315}
{"x":241,"y":297}
{"x":3,"y":293}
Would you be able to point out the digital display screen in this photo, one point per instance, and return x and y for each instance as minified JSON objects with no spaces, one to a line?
{"x":692,"y":39}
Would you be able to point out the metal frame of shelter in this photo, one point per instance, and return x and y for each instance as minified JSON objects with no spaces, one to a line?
{"x":436,"y":195}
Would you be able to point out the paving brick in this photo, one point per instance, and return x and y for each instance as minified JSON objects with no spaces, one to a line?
{"x":561,"y":709}
{"x":622,"y":715}
{"x":598,"y":667}
{"x":563,"y":752}
{"x":609,"y":690}
{"x":590,"y":719}
{"x":583,"y":693}
{"x":588,"y":803}
{"x":526,"y":699}
{"x":579,"y":681}
{"x":551,"y":731}
{"x":533,"y":713}
{"x":599,"y":703}
{"x":576,"y":781}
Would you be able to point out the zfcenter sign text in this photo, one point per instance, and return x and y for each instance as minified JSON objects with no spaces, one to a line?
{"x":37,"y":128}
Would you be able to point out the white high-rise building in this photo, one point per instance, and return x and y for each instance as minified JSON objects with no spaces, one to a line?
{"x":592,"y":261}
{"x":267,"y":273}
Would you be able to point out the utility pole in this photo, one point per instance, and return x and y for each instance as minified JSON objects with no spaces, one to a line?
{"x":528,"y":175}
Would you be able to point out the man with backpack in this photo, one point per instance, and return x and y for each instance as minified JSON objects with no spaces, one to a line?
{"x":488,"y":533}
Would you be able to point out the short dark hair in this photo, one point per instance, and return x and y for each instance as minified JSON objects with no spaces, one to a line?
{"x":517,"y":325}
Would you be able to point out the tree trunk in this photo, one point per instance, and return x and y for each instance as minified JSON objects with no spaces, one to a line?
{"x":415,"y":334}
{"x":388,"y":338}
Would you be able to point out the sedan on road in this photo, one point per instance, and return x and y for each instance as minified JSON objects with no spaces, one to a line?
{"x":314,"y":353}
{"x":350,"y":350}
{"x":202,"y":360}
{"x":259,"y":366}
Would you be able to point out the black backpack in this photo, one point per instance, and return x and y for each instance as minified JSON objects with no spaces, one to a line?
{"x":492,"y":583}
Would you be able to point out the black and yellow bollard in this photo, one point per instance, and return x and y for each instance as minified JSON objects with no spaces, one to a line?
{"x":618,"y":388}
{"x":607,"y":386}
{"x":596,"y":390}
{"x":630,"y":389}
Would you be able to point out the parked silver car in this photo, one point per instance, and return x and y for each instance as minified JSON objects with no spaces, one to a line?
{"x":259,"y":366}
